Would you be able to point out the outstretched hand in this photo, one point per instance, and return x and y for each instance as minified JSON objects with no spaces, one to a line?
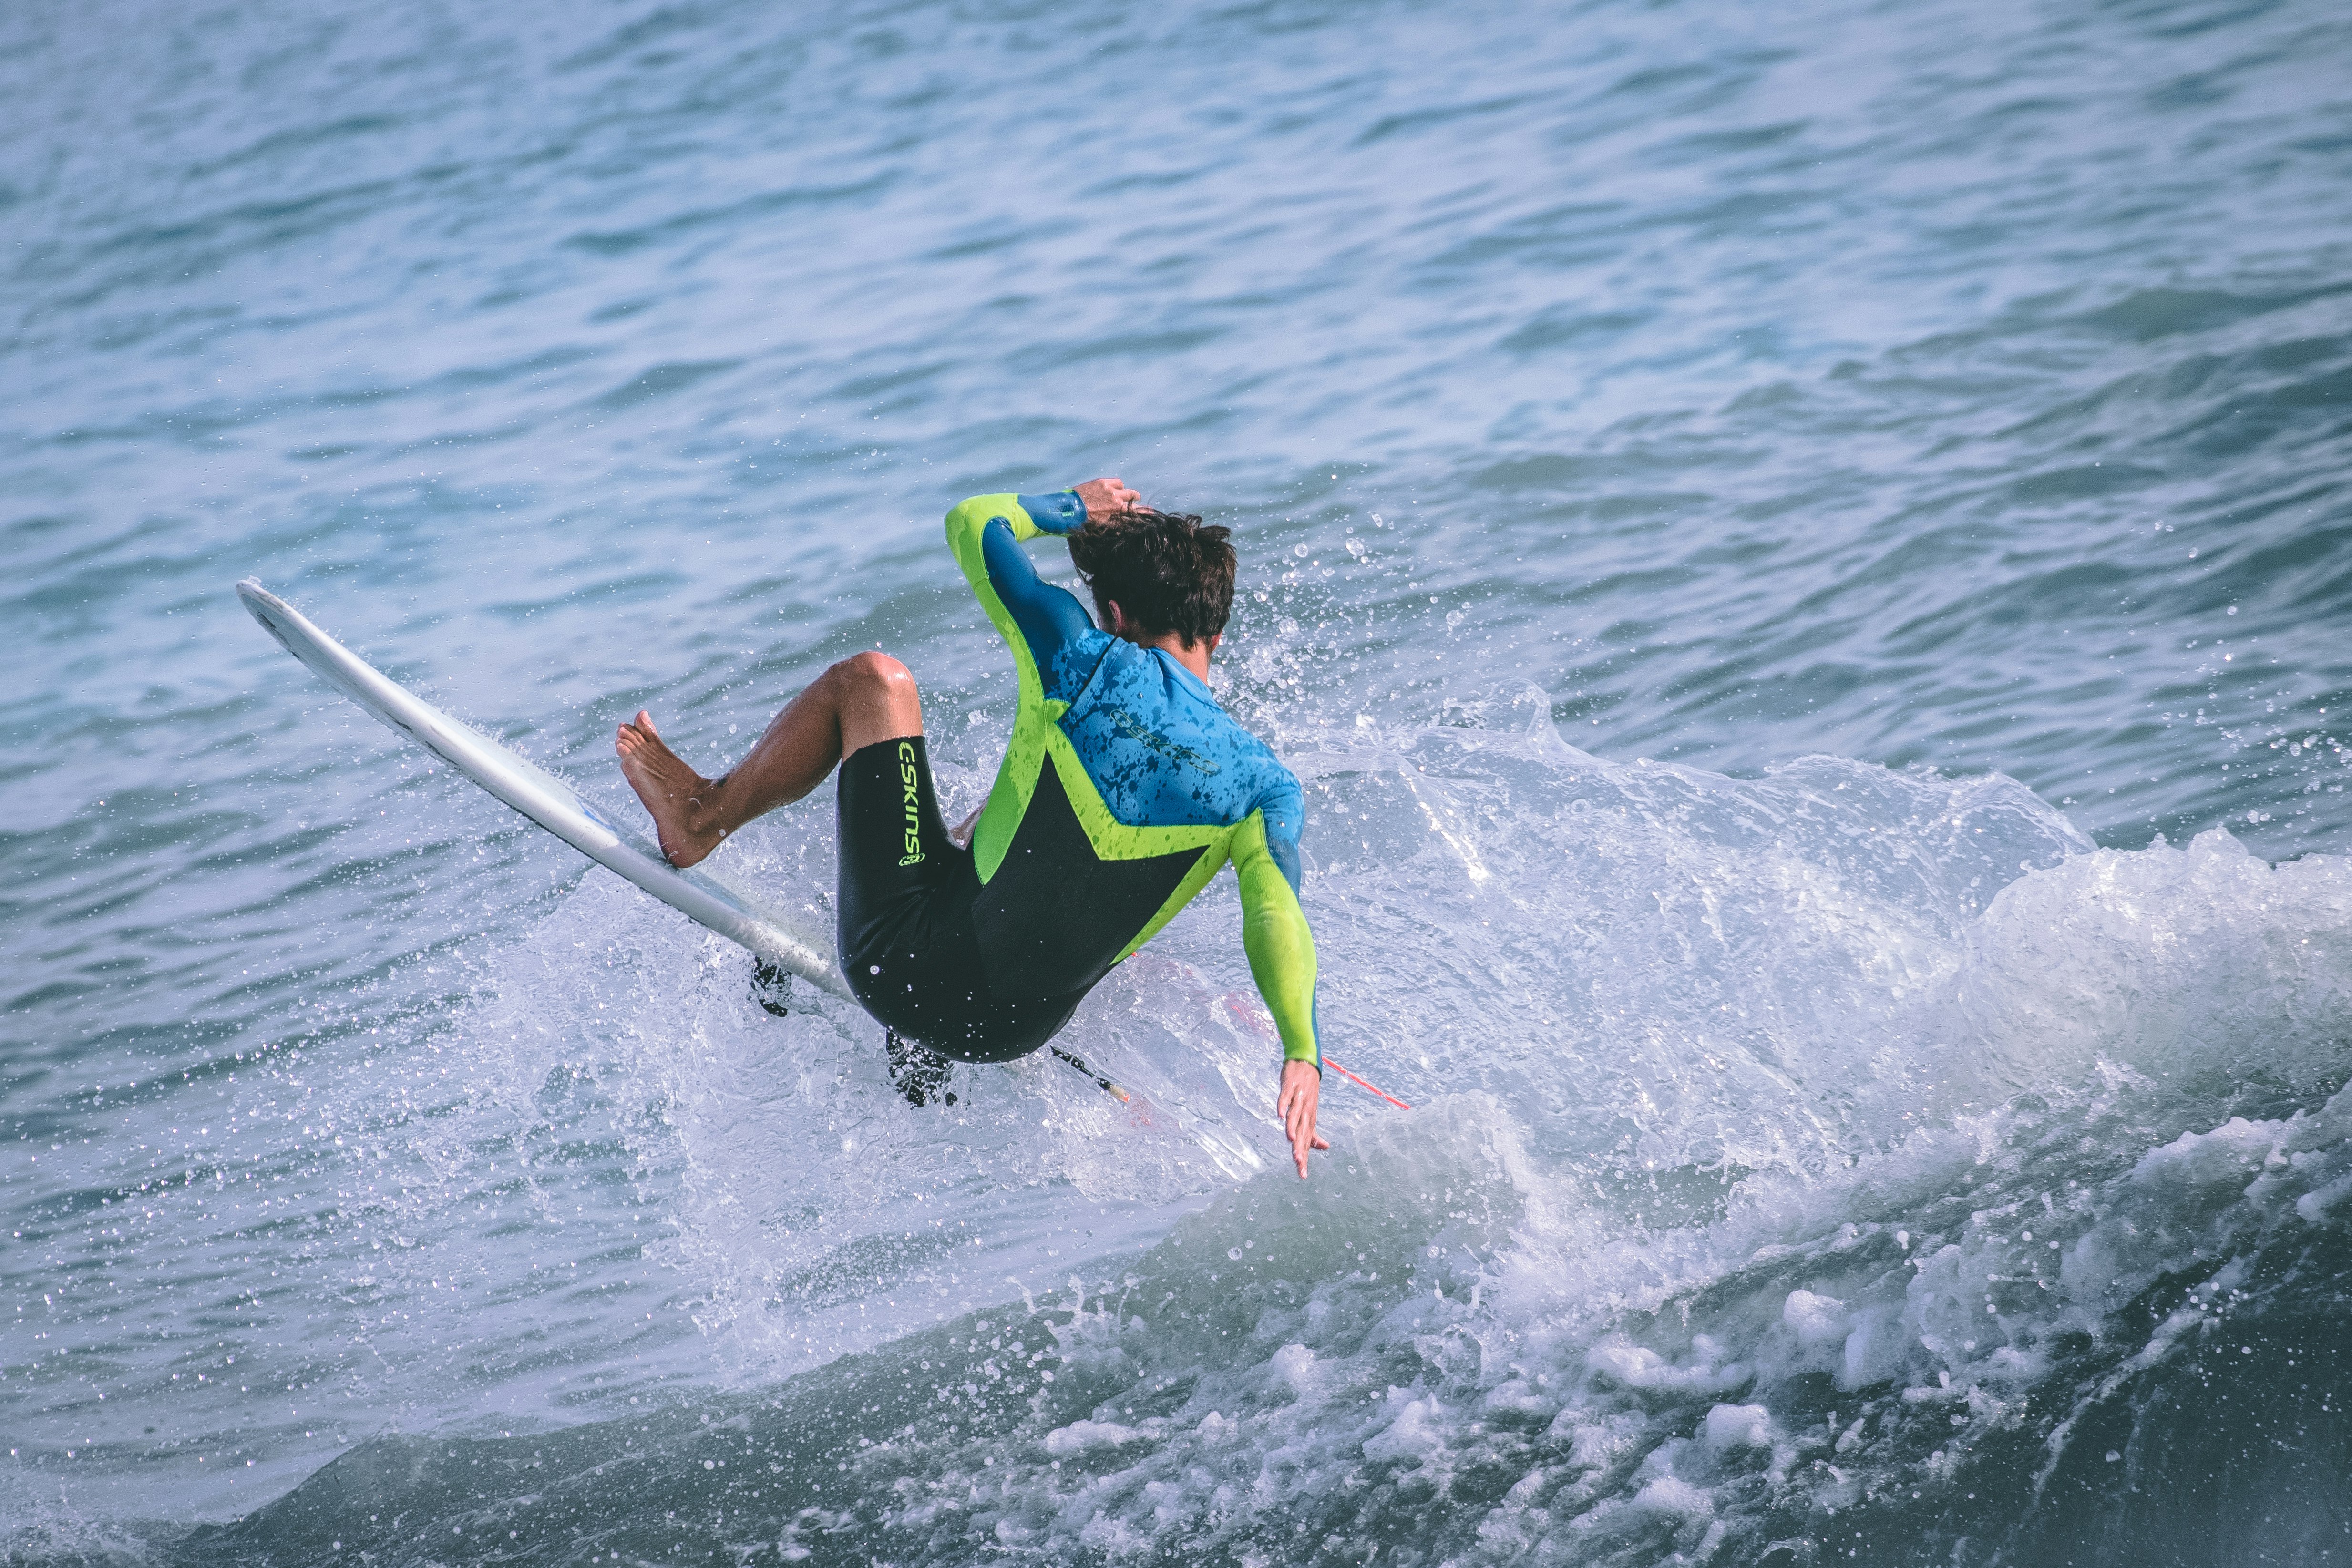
{"x":1107,"y":498}
{"x":1302,"y":1086}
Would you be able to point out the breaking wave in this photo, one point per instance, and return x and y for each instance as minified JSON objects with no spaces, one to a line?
{"x":1838,"y":1165}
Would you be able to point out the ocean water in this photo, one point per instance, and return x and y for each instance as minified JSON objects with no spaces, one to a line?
{"x":1803,"y":555}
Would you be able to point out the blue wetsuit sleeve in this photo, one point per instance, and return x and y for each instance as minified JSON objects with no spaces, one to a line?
{"x":1285,"y":806}
{"x":1060,"y":514}
{"x":1050,"y":619}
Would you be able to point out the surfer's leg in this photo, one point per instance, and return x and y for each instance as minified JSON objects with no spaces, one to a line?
{"x":865,"y":698}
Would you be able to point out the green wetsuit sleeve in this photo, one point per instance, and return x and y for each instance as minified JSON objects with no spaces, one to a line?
{"x":966,"y":521}
{"x":971,"y":524}
{"x":1032,"y":617}
{"x":1281,"y":949}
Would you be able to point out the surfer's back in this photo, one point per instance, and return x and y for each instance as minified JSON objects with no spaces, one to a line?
{"x":1159,"y":746}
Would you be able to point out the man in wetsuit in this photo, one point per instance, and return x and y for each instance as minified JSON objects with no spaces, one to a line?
{"x":1124,"y":789}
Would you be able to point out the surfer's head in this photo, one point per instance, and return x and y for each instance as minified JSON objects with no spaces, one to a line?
{"x":1153,"y":574}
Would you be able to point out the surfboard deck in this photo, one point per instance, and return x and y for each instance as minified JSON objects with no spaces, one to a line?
{"x":703,"y":896}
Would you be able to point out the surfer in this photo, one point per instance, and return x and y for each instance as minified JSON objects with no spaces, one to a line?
{"x":1124,"y":789}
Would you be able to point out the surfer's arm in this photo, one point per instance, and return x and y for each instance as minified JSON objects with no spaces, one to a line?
{"x":1037,"y":620}
{"x":1274,"y":931}
{"x":1282,"y":957}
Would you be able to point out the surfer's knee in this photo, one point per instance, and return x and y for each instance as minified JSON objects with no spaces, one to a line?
{"x":873,"y":668}
{"x":876,"y":699}
{"x":874,"y":676}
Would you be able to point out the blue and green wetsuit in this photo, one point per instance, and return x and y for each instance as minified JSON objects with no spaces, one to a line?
{"x":1124,"y":789}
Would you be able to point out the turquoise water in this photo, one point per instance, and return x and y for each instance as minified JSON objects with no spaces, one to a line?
{"x":1802,"y":557}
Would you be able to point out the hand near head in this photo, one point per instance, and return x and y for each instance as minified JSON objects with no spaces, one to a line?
{"x":1302,"y":1086}
{"x":1107,"y":498}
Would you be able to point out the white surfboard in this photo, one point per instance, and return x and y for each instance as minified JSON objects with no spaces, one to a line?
{"x":699,"y":895}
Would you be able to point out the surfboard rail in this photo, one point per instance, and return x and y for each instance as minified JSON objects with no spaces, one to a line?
{"x":546,"y":800}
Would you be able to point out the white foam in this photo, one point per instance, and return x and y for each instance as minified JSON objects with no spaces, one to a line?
{"x":1779,"y":1093}
{"x":1729,"y":1426}
{"x":1731,"y":1096}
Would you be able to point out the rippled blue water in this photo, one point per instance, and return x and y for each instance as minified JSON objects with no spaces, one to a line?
{"x":1767,"y":532}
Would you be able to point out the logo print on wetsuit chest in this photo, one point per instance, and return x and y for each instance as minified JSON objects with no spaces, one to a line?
{"x":908,"y":782}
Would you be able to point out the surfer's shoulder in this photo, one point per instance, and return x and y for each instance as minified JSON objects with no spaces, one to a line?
{"x":1263,"y":776}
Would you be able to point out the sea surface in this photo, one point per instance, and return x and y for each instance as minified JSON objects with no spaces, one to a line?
{"x":1802,"y":554}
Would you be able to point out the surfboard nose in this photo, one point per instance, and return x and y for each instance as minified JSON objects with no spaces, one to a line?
{"x":269,"y":610}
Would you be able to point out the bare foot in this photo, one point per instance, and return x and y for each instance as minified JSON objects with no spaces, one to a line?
{"x":671,"y":790}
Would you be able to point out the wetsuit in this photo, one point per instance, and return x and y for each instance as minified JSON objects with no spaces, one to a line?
{"x":1124,"y":789}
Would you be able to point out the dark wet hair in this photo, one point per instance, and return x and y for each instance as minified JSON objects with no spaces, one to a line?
{"x":1167,"y":572}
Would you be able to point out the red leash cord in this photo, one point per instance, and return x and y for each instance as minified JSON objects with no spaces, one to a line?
{"x":1374,"y":1088}
{"x":1121,"y":1095}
